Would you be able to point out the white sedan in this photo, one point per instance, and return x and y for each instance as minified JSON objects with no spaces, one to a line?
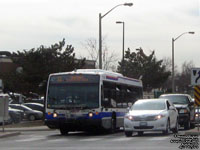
{"x":151,"y":115}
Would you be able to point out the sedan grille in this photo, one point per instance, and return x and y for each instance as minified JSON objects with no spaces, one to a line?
{"x":143,"y":127}
{"x":144,"y":118}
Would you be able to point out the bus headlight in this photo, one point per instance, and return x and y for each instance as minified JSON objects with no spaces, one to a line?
{"x":90,"y":114}
{"x":55,"y":115}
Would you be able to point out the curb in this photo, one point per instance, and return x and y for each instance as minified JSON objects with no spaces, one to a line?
{"x":8,"y":134}
{"x":26,"y":129}
{"x":26,"y":124}
{"x":192,"y":133}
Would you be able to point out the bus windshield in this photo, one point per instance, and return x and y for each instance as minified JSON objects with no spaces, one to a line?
{"x":68,"y":96}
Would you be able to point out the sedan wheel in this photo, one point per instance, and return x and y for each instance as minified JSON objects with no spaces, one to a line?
{"x":187,"y":125}
{"x":167,"y":130}
{"x":175,"y":130}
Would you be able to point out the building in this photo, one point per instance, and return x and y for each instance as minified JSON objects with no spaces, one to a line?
{"x":6,"y":63}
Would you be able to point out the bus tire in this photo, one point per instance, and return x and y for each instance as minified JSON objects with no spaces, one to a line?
{"x":128,"y":133}
{"x":113,"y":123}
{"x":63,"y":131}
{"x":140,"y":133}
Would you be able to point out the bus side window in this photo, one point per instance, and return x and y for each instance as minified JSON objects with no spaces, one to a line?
{"x":106,"y":100}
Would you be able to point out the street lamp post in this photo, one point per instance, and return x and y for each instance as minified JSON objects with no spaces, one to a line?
{"x":173,"y":40}
{"x":121,"y":22}
{"x":100,"y":31}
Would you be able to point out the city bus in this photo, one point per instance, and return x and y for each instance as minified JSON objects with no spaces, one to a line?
{"x":89,"y":100}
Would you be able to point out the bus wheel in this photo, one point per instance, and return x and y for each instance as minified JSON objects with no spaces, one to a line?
{"x":128,"y":133}
{"x":113,"y":125}
{"x":63,"y":131}
{"x":140,"y":133}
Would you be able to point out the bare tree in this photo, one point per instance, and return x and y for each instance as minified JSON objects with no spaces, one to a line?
{"x":183,"y":79}
{"x":167,"y":61}
{"x":109,"y":58}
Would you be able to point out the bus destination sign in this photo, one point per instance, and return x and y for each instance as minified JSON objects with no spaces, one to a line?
{"x":74,"y":78}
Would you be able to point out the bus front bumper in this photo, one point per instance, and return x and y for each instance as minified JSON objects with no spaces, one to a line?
{"x":73,"y":124}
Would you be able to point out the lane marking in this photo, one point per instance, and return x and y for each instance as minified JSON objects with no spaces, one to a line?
{"x":57,"y":140}
{"x":90,"y":139}
{"x":158,"y":138}
{"x":35,"y":138}
{"x":123,"y":139}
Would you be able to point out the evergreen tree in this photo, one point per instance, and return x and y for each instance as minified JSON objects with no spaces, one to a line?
{"x":37,"y":64}
{"x":139,"y":65}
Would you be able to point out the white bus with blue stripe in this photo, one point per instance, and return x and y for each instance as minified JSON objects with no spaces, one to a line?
{"x":89,"y":99}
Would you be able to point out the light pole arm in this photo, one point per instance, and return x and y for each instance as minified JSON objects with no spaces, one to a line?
{"x":111,"y":10}
{"x":100,"y":32}
{"x":180,"y":36}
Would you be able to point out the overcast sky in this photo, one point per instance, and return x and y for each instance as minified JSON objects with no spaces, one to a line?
{"x":150,"y":24}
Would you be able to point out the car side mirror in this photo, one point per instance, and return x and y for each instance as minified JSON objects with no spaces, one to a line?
{"x":171,"y":108}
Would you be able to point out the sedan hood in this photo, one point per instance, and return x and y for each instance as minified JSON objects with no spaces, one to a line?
{"x":145,"y":112}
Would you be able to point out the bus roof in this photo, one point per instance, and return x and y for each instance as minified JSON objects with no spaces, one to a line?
{"x":98,"y":71}
{"x":108,"y":75}
{"x":89,"y":71}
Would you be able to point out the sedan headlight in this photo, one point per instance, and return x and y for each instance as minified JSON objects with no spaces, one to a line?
{"x":183,"y":111}
{"x":159,"y":117}
{"x":129,"y":117}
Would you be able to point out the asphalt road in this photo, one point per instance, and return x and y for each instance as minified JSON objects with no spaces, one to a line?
{"x":52,"y":140}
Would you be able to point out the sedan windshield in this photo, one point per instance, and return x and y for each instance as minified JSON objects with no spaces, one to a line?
{"x":68,"y":96}
{"x":177,"y":99}
{"x":149,"y":105}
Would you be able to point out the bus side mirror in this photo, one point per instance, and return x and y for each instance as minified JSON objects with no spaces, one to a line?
{"x":191,"y":103}
{"x":128,"y":109}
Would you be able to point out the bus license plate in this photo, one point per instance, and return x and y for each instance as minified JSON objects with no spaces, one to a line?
{"x":143,"y":123}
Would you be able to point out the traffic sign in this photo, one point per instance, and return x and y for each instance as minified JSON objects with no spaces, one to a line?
{"x":195,"y":76}
{"x":197,"y":95}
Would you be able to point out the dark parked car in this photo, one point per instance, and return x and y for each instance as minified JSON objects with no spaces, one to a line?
{"x":185,"y":107}
{"x":41,"y":101}
{"x":35,"y":106}
{"x":16,"y":115}
{"x":30,"y":114}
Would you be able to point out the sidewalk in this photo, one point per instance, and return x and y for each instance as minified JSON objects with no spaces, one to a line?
{"x":16,"y":129}
{"x":194,"y":131}
{"x":8,"y":133}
